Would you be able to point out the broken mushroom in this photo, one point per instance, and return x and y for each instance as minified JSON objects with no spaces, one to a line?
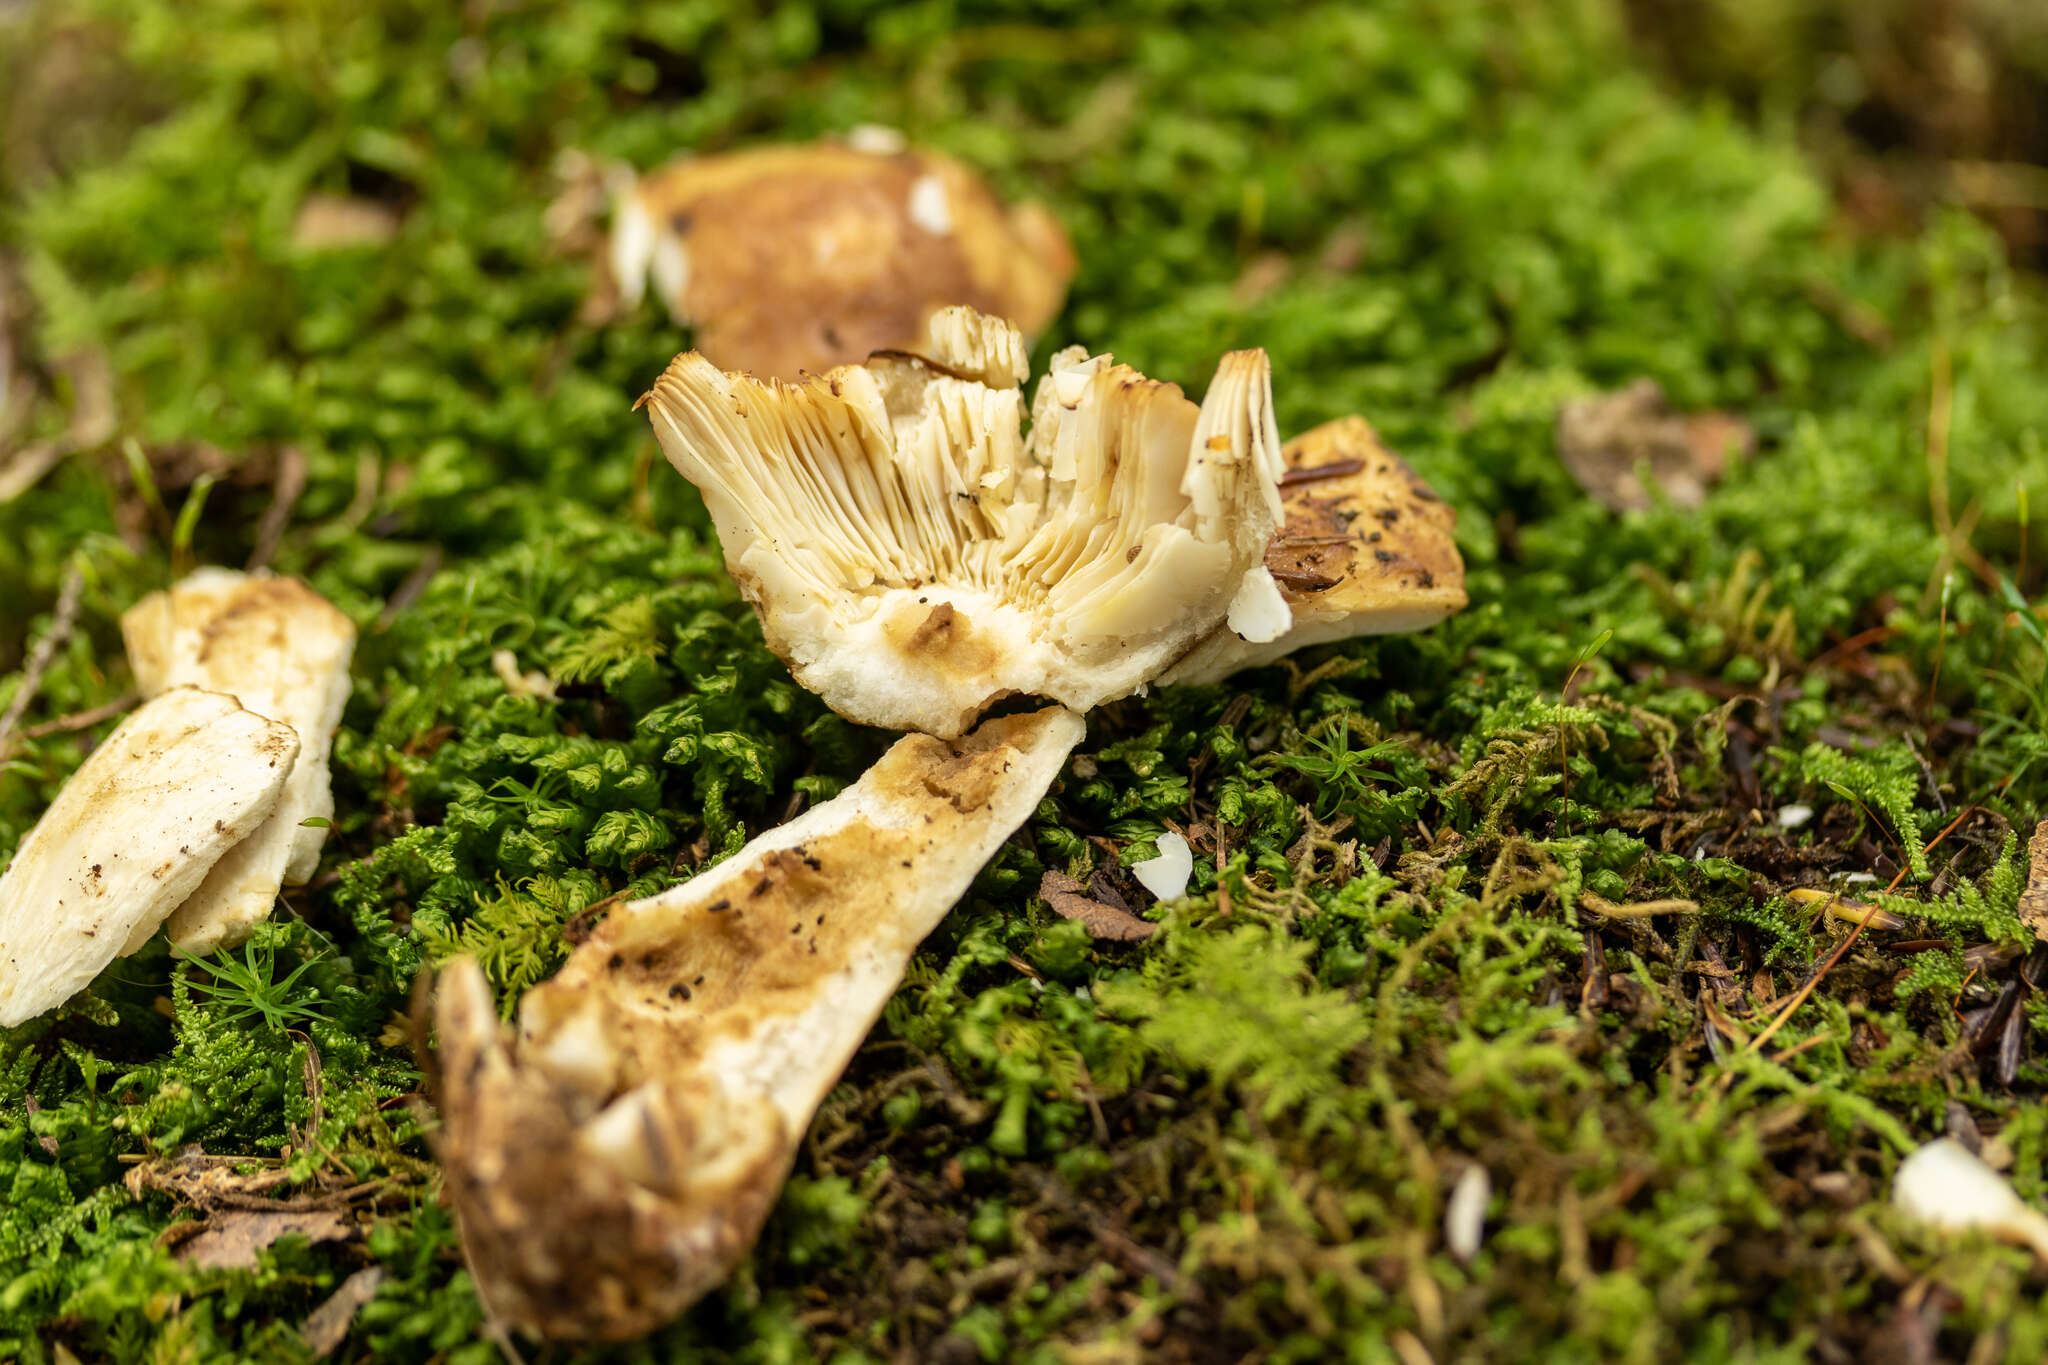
{"x":798,"y":258}
{"x":179,"y":783}
{"x":283,"y":651}
{"x":614,"y":1160}
{"x":914,"y":558}
{"x":1366,"y":549}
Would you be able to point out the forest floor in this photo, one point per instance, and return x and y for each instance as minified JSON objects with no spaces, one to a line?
{"x":1516,"y":894}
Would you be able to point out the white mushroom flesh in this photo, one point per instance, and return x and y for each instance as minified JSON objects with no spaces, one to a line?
{"x":283,"y":651}
{"x":1465,"y":1214}
{"x":914,"y":557}
{"x":1166,"y":876}
{"x":1946,"y":1186}
{"x":616,"y":1159}
{"x":179,"y":783}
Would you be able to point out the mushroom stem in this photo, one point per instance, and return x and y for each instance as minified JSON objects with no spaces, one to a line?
{"x":616,"y":1158}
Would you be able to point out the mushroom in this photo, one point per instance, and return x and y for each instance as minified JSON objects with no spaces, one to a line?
{"x":914,"y":558}
{"x":797,"y":258}
{"x":178,"y":784}
{"x":1366,"y":549}
{"x":283,"y":651}
{"x":614,"y":1160}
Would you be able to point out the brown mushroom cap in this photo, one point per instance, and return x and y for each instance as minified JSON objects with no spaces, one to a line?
{"x":1365,"y":549}
{"x":177,"y":785}
{"x":797,"y":258}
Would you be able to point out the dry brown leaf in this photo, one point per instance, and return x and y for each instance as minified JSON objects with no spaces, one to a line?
{"x":330,"y":222}
{"x":326,"y":1327}
{"x":1069,"y":899}
{"x":1607,"y":440}
{"x":233,"y":1238}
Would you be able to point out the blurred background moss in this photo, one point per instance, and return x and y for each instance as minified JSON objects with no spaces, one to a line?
{"x":1904,"y":104}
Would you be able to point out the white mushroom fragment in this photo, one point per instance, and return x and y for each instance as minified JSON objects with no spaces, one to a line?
{"x":617,"y":1159}
{"x":179,"y":783}
{"x":1366,"y":549}
{"x":793,"y":259}
{"x":914,"y":558}
{"x":1465,"y":1214}
{"x":1946,"y":1186}
{"x":1166,"y":876}
{"x":283,"y":651}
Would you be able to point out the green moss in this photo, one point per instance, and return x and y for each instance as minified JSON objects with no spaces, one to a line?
{"x":1397,"y":958}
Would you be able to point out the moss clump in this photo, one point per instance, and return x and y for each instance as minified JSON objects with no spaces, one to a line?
{"x":1410,"y":945}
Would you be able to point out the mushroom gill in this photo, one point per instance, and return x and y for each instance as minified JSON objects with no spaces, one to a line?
{"x":915,"y":557}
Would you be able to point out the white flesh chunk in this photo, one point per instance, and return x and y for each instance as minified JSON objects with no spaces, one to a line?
{"x":1945,"y":1185}
{"x":179,"y":783}
{"x":1167,"y":875}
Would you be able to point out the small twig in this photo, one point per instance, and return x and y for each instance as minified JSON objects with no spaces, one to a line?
{"x":1600,"y":905}
{"x":81,"y":720}
{"x":409,"y":591}
{"x":46,"y":649}
{"x":1336,"y":469}
{"x":285,"y":488}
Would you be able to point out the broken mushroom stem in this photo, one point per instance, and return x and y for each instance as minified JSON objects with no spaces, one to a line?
{"x":615,"y":1158}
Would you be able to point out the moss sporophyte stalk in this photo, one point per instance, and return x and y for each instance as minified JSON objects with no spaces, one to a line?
{"x":1414,"y":939}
